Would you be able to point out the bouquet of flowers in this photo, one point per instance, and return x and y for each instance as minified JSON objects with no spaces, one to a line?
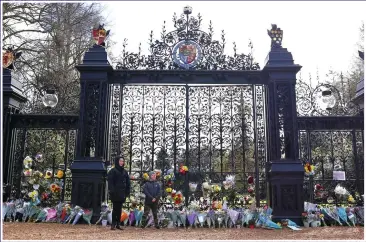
{"x":309,"y":169}
{"x":51,"y":215}
{"x":5,"y":210}
{"x":182,"y":217}
{"x":177,"y":197}
{"x":202,"y":218}
{"x":351,"y":217}
{"x":206,"y":189}
{"x":183,"y":169}
{"x":341,"y":192}
{"x":138,"y":216}
{"x":342,"y":214}
{"x":192,"y":217}
{"x":42,"y":216}
{"x":158,"y":173}
{"x":359,"y":212}
{"x":331,"y":213}
{"x":220,"y":215}
{"x":146,"y":176}
{"x":234,"y":215}
{"x":229,"y":182}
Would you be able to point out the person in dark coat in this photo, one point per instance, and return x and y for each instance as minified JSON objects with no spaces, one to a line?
{"x":152,"y":191}
{"x":119,"y":187}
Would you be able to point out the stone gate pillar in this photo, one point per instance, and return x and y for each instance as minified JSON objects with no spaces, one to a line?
{"x":285,"y":170}
{"x":88,"y":169}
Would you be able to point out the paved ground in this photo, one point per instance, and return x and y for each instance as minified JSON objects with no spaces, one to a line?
{"x":47,"y":231}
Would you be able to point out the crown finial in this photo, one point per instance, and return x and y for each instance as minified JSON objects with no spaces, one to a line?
{"x":276,"y":35}
{"x":187,"y":10}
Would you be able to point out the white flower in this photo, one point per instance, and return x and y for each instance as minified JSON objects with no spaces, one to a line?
{"x":206,"y":186}
{"x":230,"y":178}
{"x":340,"y":190}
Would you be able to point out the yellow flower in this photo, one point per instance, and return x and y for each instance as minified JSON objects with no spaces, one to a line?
{"x":146,"y":176}
{"x":185,"y":168}
{"x":169,"y":190}
{"x":321,"y":216}
{"x":219,"y":205}
{"x":48,"y":174}
{"x":279,"y":224}
{"x":351,"y":199}
{"x":216,"y":188}
{"x":60,"y":174}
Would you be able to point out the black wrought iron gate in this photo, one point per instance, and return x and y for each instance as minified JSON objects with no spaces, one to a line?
{"x":214,"y":129}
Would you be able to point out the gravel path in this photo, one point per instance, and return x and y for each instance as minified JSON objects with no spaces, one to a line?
{"x":47,"y":231}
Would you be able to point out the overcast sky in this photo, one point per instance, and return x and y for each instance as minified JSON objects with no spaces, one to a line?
{"x":319,"y":34}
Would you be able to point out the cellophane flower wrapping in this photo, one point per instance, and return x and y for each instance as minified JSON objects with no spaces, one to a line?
{"x":342,"y":215}
{"x":5,"y":210}
{"x":131,"y":217}
{"x":138,"y":216}
{"x":26,"y":211}
{"x":150,"y":219}
{"x":87,"y":215}
{"x":51,"y":215}
{"x":11,"y":210}
{"x":192,"y":217}
{"x":80,"y":213}
{"x":109,"y":217}
{"x":34,"y":213}
{"x":42,"y":215}
{"x":359,"y":211}
{"x":183,"y":218}
{"x":351,"y":216}
{"x":211,"y":217}
{"x":247,"y":216}
{"x":332,"y":214}
{"x":59,"y":209}
{"x":234,"y":215}
{"x":202,"y":218}
{"x":124,"y":217}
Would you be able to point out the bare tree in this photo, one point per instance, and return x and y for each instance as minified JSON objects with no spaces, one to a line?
{"x":53,"y":38}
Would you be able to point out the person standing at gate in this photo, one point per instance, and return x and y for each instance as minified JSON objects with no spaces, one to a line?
{"x":119,"y":187}
{"x":152,"y":191}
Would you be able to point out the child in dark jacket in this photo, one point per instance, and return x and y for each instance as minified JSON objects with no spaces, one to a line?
{"x":152,"y":191}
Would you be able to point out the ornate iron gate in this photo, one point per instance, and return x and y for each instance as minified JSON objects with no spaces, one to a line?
{"x":53,"y":136}
{"x":189,"y":103}
{"x":331,"y":139}
{"x":215,"y":130}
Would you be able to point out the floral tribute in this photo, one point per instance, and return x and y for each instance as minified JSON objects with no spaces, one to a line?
{"x":41,"y":187}
{"x":309,"y":169}
{"x":220,"y":206}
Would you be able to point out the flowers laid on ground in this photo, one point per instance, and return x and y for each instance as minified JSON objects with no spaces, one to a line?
{"x":309,"y":169}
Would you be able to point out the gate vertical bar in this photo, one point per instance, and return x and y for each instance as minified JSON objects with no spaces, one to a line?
{"x":355,"y":159}
{"x":254,"y":97}
{"x":186,"y":184}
